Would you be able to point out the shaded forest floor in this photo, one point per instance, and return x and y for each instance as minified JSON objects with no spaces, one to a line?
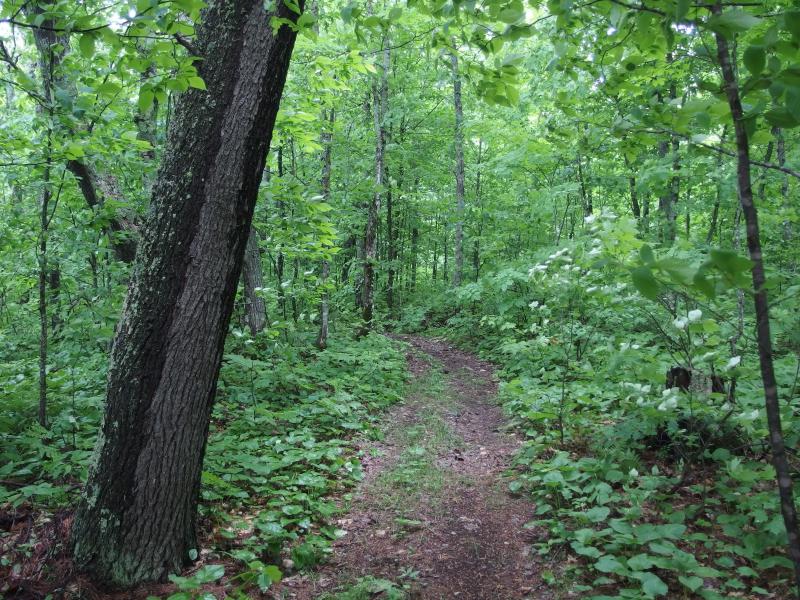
{"x":433,"y":517}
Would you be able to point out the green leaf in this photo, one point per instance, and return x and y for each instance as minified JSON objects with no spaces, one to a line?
{"x":146,"y":98}
{"x":705,"y":285}
{"x":652,"y":584}
{"x":791,"y":21}
{"x":609,"y":564}
{"x":646,"y":254}
{"x":274,"y":573}
{"x":86,"y":44}
{"x":782,"y":117}
{"x":511,"y":15}
{"x":682,"y":9}
{"x":729,"y":262}
{"x":598,"y":514}
{"x":732,"y":21}
{"x":692,"y":582}
{"x":73,"y":151}
{"x":755,"y":59}
{"x":197,"y":83}
{"x":645,"y":282}
{"x":640,"y":562}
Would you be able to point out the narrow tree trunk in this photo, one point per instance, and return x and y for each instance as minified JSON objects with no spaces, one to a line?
{"x":280,"y":263}
{"x":414,"y":253}
{"x":254,"y":307}
{"x":788,"y":229}
{"x":51,"y":50}
{"x":635,"y":208}
{"x":137,"y":518}
{"x":435,"y":260}
{"x":476,"y":250}
{"x":325,"y":184}
{"x":586,"y":196}
{"x":445,"y":276}
{"x":667,"y":203}
{"x":295,"y":273}
{"x":459,"y":168}
{"x":391,"y":251}
{"x":52,"y":46}
{"x":322,"y":336}
{"x":44,"y":213}
{"x":718,"y":197}
{"x":763,"y":336}
{"x":380,"y":99}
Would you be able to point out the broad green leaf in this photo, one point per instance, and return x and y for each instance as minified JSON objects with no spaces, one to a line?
{"x":146,"y":98}
{"x":755,"y":59}
{"x":86,"y":44}
{"x":652,"y":585}
{"x":645,"y":282}
{"x":730,"y":262}
{"x":646,"y":254}
{"x":609,"y":564}
{"x":197,"y":83}
{"x":732,"y":21}
{"x":597,"y":514}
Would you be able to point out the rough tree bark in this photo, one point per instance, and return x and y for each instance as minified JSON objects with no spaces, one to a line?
{"x":459,"y":168}
{"x":137,"y":517}
{"x":763,"y":336}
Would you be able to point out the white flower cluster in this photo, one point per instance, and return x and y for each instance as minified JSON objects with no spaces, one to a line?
{"x":669,"y":399}
{"x":733,"y":363}
{"x":637,"y":391}
{"x":691,"y":317}
{"x":562,"y":255}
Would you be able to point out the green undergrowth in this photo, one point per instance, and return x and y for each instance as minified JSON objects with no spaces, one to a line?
{"x":281,"y":447}
{"x":368,"y":588}
{"x":641,"y":489}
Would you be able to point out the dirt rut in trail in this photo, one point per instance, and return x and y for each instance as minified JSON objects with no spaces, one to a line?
{"x":433,"y":514}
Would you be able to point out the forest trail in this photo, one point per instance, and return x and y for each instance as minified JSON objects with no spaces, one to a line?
{"x":433,"y":514}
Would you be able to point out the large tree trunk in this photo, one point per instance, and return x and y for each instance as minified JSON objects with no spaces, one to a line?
{"x":137,"y":518}
{"x":254,"y":307}
{"x":459,"y":152}
{"x":764,"y":339}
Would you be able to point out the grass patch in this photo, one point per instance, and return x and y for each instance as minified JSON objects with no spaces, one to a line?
{"x":368,"y":588}
{"x":416,"y":477}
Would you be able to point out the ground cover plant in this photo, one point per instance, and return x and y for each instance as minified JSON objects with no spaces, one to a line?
{"x":251,"y":252}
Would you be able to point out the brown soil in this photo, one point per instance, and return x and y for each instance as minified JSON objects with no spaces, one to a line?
{"x":465,"y":541}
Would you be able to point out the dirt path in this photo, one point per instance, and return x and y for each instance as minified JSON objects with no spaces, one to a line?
{"x":433,"y":519}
